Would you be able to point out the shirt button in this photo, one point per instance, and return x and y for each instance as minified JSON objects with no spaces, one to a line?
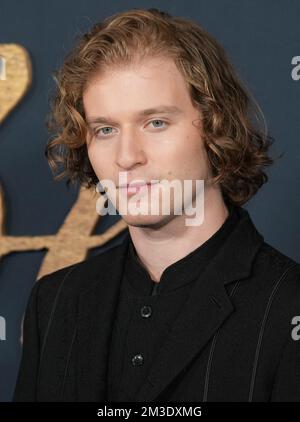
{"x":146,"y":311}
{"x":137,"y":360}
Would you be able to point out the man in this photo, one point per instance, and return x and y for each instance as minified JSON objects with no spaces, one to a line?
{"x":176,"y":312}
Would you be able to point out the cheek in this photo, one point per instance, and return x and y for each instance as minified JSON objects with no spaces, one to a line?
{"x":195,"y":148}
{"x":94,"y":157}
{"x":91,"y":157}
{"x":189,"y":148}
{"x":100,"y":161}
{"x":193,"y":157}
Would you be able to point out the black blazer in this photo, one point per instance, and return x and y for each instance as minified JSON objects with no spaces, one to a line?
{"x":234,"y":340}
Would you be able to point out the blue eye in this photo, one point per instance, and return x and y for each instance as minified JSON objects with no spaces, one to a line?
{"x":103,"y":133}
{"x":158,"y":120}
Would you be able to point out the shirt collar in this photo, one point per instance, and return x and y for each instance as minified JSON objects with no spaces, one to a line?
{"x":184,"y":271}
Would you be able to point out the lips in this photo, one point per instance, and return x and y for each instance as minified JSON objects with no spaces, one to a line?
{"x":133,"y":185}
{"x":136,"y":187}
{"x":137,"y":184}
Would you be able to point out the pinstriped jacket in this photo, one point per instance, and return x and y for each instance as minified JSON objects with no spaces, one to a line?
{"x":236,"y":338}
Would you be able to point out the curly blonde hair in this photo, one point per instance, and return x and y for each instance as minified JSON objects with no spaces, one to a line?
{"x":235,"y":133}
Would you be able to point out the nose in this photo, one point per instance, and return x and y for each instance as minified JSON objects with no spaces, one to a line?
{"x":130,"y":151}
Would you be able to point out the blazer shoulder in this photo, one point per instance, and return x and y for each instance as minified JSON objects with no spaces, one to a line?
{"x":276,"y":259}
{"x":76,"y":277}
{"x":281,"y":269}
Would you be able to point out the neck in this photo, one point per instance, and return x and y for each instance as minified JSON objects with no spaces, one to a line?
{"x":159,"y":248}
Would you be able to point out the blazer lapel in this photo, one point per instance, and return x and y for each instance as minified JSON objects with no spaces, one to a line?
{"x":203,"y":313}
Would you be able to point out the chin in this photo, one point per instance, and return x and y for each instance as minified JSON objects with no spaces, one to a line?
{"x":151,"y":221}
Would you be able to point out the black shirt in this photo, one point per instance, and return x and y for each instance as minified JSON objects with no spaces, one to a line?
{"x":147,"y":309}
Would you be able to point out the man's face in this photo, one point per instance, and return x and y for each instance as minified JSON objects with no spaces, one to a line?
{"x":163,"y":144}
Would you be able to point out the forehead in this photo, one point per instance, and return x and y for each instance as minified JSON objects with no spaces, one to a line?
{"x":144,"y":85}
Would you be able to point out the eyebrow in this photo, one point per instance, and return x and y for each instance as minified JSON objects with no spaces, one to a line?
{"x":143,"y":113}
